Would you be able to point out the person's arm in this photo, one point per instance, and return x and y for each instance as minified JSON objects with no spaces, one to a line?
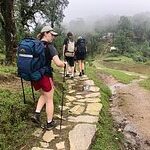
{"x":64,"y":46}
{"x":58,"y":62}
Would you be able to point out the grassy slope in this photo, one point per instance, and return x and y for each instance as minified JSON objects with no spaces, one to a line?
{"x":15,"y":124}
{"x":117,"y":68}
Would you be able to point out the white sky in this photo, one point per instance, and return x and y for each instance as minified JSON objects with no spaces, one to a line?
{"x":98,"y":8}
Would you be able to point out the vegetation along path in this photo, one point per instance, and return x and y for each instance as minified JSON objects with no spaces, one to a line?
{"x":130,"y":107}
{"x":81,"y":112}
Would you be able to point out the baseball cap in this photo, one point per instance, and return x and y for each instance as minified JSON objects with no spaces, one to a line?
{"x":49,"y":28}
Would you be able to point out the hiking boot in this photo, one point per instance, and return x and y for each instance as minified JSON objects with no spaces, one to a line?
{"x":50,"y":125}
{"x":80,"y":74}
{"x":67,"y":75}
{"x":72,"y":76}
{"x":36,"y":118}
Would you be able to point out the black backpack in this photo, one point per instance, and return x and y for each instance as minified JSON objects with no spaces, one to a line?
{"x":81,"y":45}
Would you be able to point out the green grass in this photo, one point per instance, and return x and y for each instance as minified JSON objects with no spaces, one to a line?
{"x":107,"y":138}
{"x":118,"y":59}
{"x":7,"y":70}
{"x":120,"y":76}
{"x":145,"y":83}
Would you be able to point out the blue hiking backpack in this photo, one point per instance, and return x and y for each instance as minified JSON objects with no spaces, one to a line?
{"x":31,"y":59}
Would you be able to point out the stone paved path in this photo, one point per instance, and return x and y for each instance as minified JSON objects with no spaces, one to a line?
{"x":81,"y":111}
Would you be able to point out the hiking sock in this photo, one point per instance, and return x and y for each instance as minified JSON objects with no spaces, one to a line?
{"x":49,"y":121}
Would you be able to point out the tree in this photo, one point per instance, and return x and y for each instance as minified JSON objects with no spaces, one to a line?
{"x":31,"y":11}
{"x":124,"y":24}
{"x":122,"y":42}
{"x":25,"y":14}
{"x":8,"y":24}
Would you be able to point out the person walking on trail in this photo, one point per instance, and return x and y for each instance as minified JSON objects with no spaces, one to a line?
{"x":45,"y":84}
{"x":68,"y":53}
{"x":81,"y":54}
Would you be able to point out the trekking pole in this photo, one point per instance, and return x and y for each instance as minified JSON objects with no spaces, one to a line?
{"x":24,"y":99}
{"x":33,"y":95}
{"x":62,"y":100}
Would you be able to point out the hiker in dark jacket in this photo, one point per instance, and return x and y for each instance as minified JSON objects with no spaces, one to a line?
{"x":45,"y":84}
{"x":81,"y":54}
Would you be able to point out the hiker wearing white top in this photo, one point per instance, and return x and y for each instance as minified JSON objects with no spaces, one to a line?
{"x":68,"y":53}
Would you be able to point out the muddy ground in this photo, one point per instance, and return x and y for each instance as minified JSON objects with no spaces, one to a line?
{"x":130,"y":107}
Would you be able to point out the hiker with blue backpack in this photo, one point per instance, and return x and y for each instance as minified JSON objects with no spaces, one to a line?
{"x":34,"y":64}
{"x":80,"y":53}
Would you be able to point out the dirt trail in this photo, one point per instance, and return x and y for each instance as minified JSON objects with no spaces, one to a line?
{"x":130,"y":107}
{"x":136,"y":106}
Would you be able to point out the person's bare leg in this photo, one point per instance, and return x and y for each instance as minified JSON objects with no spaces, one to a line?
{"x":41,"y":103}
{"x":49,"y":104}
{"x":72,"y":71}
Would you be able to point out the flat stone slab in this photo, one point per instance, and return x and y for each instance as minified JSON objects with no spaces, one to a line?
{"x":60,"y":146}
{"x":90,"y":100}
{"x":71,"y":91}
{"x":89,"y":82}
{"x":49,"y":136}
{"x":77,"y":109}
{"x":38,"y":148}
{"x":81,"y":136}
{"x":70,"y":98}
{"x":79,"y":96}
{"x":93,"y":108}
{"x":83,"y":118}
{"x":44,"y":144}
{"x":93,"y":89}
{"x":92,"y":95}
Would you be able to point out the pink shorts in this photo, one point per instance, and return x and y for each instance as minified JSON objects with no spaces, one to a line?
{"x":45,"y":83}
